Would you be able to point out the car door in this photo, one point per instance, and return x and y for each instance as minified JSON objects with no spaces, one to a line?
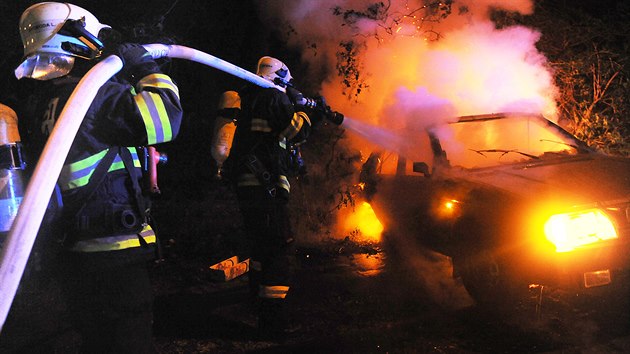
{"x":402,"y":191}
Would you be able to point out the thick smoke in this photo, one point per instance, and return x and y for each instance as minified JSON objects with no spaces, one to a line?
{"x":406,"y":65}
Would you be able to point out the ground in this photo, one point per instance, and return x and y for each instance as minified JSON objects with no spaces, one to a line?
{"x":348,"y":298}
{"x":355,"y":299}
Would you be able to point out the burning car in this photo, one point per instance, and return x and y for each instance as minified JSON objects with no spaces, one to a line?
{"x":513,"y":200}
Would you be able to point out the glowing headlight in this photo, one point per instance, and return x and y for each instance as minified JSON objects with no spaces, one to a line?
{"x":448,"y":208}
{"x":572,"y":230}
{"x":450,"y":204}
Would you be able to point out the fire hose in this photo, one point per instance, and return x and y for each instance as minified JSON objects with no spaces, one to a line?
{"x":19,"y":242}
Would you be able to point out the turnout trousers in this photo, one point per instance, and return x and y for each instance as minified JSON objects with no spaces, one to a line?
{"x":267,"y":223}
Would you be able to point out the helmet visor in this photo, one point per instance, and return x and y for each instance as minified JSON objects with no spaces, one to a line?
{"x":45,"y":66}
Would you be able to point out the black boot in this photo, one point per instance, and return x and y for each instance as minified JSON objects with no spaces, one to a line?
{"x":254,"y":288}
{"x":273,"y":323}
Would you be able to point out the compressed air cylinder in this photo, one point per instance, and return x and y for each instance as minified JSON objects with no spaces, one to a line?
{"x":224,"y":128}
{"x":12,"y":168}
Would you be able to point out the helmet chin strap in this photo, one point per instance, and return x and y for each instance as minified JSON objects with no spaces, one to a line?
{"x":281,"y":88}
{"x":278,"y":81}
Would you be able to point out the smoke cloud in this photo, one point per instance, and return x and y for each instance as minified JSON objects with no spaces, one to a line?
{"x":412,"y":69}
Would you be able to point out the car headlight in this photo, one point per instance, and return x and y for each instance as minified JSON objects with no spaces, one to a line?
{"x":447,"y":208}
{"x":572,"y":230}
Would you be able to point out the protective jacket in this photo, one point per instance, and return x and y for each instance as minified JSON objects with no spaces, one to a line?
{"x":268,"y":125}
{"x":103,"y":206}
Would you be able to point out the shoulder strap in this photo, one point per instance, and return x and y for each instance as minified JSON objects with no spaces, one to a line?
{"x":96,"y":179}
{"x":125,"y":155}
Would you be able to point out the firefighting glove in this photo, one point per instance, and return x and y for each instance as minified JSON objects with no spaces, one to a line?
{"x":137,"y":62}
{"x":298,"y":99}
{"x":295,"y":96}
{"x":324,"y":110}
{"x":321,"y":105}
{"x":320,"y":110}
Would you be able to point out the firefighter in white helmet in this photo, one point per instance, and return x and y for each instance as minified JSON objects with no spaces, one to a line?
{"x":268,"y":125}
{"x":104,"y":225}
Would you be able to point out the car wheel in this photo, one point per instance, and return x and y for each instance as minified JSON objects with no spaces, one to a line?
{"x":485,"y":277}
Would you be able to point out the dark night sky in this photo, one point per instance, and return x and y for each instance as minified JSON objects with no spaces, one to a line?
{"x":227,"y":29}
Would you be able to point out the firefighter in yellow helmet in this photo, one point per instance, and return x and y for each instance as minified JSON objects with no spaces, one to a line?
{"x":104,"y":225}
{"x":12,"y":166}
{"x":268,"y":126}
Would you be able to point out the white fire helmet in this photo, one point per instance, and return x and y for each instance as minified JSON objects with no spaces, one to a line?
{"x":49,"y":51}
{"x":273,"y":70}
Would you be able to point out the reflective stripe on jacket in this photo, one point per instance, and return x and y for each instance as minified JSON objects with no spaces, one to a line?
{"x":249,"y":180}
{"x":119,"y":117}
{"x":267,"y":125}
{"x":77,"y":174}
{"x":151,"y":106}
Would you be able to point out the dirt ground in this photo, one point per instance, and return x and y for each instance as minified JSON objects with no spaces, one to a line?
{"x":356,"y":299}
{"x":348,"y":298}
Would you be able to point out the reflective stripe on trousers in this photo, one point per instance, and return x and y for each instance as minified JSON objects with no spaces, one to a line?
{"x":249,"y":180}
{"x":114,"y":243}
{"x":273,"y":291}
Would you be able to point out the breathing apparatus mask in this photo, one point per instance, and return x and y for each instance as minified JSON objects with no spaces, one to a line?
{"x":45,"y":66}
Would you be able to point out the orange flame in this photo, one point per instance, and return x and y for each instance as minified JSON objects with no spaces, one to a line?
{"x":364,"y":219}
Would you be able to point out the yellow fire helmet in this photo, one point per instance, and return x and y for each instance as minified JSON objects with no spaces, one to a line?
{"x":8,"y":125}
{"x":273,"y":70}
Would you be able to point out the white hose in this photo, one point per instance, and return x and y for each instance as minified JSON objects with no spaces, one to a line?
{"x":21,"y":237}
{"x":19,"y":242}
{"x":181,"y":52}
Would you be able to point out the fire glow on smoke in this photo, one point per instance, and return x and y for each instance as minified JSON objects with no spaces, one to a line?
{"x":413,"y":80}
{"x":418,"y":73}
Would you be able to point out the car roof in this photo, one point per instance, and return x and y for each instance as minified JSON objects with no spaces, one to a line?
{"x":503,"y":115}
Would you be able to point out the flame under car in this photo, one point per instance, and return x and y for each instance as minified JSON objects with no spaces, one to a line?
{"x":513,"y":199}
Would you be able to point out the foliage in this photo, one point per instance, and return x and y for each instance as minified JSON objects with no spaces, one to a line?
{"x":588,"y":53}
{"x":388,"y":19}
{"x":329,"y":185}
{"x":349,"y":65}
{"x":594,"y":101}
{"x":587,"y":50}
{"x":349,"y":68}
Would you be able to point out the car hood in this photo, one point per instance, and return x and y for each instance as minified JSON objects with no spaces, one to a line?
{"x":577,"y":179}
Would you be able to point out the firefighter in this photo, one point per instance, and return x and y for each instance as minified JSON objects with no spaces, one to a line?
{"x":268,"y":126}
{"x":12,"y":166}
{"x":104,"y":223}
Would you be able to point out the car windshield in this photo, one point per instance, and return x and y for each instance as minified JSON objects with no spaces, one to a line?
{"x":478,"y":142}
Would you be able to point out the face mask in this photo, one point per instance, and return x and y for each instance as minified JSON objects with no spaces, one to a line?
{"x":45,"y":66}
